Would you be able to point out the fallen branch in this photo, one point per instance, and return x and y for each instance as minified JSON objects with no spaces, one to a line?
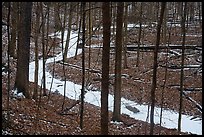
{"x":152,"y":47}
{"x":186,"y":89}
{"x":197,"y":105}
{"x":192,"y":89}
{"x":193,"y":101}
{"x":67,"y":109}
{"x":111,"y":77}
{"x":179,"y":67}
{"x":79,"y":67}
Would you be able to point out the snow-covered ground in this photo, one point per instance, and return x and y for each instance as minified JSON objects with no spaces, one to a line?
{"x":169,"y":119}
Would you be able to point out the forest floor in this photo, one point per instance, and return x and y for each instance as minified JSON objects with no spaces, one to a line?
{"x":28,"y":116}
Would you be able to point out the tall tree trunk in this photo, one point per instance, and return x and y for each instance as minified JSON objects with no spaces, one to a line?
{"x":125,"y":66}
{"x":78,"y":14}
{"x":69,"y":31}
{"x":58,"y":25}
{"x":154,"y":78}
{"x":37,"y":31}
{"x":22,"y":74}
{"x":139,"y":36}
{"x":83,"y":64}
{"x":8,"y":57}
{"x":113,"y":23}
{"x":179,"y":10}
{"x":182,"y":63}
{"x":63,"y":59}
{"x":79,"y":32}
{"x":118,"y":59}
{"x":53,"y":52}
{"x":105,"y":67}
{"x":12,"y":47}
{"x":43,"y":49}
{"x":200,"y":7}
{"x":89,"y":41}
{"x":48,"y":27}
{"x":166,"y":63}
{"x":191,"y":11}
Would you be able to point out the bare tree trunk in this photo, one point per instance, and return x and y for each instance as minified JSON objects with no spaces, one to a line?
{"x":53,"y":71}
{"x":89,"y":41}
{"x":139,"y":37}
{"x":43,"y":49}
{"x":179,"y":10}
{"x":8,"y":51}
{"x":125,"y":66}
{"x":37,"y":31}
{"x":118,"y":64}
{"x":105,"y":67}
{"x":79,"y":33}
{"x":182,"y":63}
{"x":165,"y":75}
{"x":63,"y":59}
{"x":83,"y":65}
{"x":113,"y":15}
{"x":154,"y":78}
{"x":69,"y":31}
{"x":78,"y":15}
{"x":14,"y":22}
{"x":22,"y":74}
{"x":58,"y":25}
{"x":53,"y":74}
{"x":200,"y":7}
{"x":48,"y":27}
{"x":191,"y":11}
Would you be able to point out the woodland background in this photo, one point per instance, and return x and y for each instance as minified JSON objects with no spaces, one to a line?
{"x":146,"y":52}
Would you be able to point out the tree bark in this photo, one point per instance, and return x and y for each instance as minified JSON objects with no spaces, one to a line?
{"x":89,"y":40}
{"x":14,"y":22}
{"x":154,"y":78}
{"x":48,"y":28}
{"x":69,"y":31}
{"x":79,"y":33}
{"x":125,"y":66}
{"x":105,"y":67}
{"x":83,"y":64}
{"x":182,"y":64}
{"x":43,"y":49}
{"x":22,"y":74}
{"x":165,"y":73}
{"x":139,"y":36}
{"x":63,"y":59}
{"x":8,"y":61}
{"x":118,"y":64}
{"x":37,"y":30}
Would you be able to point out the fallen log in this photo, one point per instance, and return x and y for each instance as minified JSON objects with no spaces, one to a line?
{"x":135,"y":47}
{"x":133,"y":109}
{"x":63,"y":112}
{"x":79,"y":67}
{"x":192,"y":89}
{"x":187,"y":89}
{"x":179,"y":67}
{"x":152,"y":47}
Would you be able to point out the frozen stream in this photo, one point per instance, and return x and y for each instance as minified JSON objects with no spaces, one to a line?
{"x":169,"y":120}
